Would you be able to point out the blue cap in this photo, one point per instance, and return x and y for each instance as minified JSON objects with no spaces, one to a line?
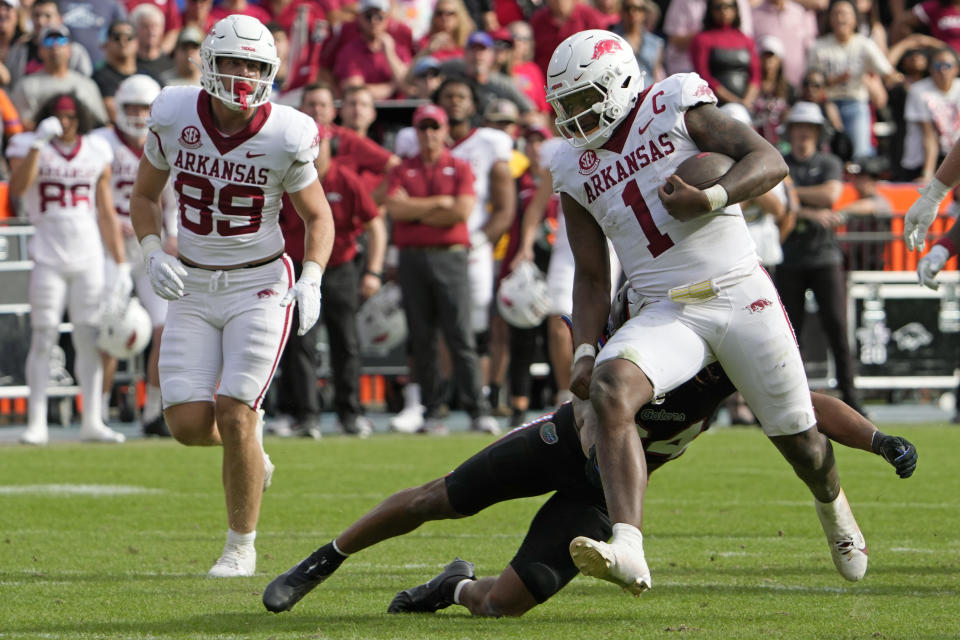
{"x":424,"y":65}
{"x":480,"y":38}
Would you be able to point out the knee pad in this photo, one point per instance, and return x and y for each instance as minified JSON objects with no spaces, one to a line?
{"x":482,"y":340}
{"x":174,"y":390}
{"x":240,"y":386}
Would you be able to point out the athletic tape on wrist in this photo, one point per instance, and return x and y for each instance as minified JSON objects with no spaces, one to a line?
{"x":150,"y":243}
{"x":717,"y":196}
{"x":585,"y":350}
{"x":312,"y":270}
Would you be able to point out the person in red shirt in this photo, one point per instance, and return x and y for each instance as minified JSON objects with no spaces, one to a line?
{"x":372,"y":55}
{"x":429,"y":198}
{"x":242,"y":7}
{"x":558,"y":20}
{"x":354,"y":214}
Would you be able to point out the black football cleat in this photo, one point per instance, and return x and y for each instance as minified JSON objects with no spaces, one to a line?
{"x":157,"y":427}
{"x":289,"y":588}
{"x":435,"y":594}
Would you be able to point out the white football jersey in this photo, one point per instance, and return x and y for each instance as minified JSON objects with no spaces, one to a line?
{"x":123,"y":172}
{"x":481,"y":148}
{"x":61,"y":202}
{"x":619,"y":189}
{"x":229,"y":189}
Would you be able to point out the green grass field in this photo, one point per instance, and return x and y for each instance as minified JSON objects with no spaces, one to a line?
{"x":731,"y":537}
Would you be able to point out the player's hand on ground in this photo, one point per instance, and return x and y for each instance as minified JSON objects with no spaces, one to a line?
{"x":48,"y":129}
{"x":306,"y":292}
{"x":683,"y":201}
{"x":898,"y":451}
{"x":931,"y":264}
{"x":920,"y":216}
{"x":166,"y":274}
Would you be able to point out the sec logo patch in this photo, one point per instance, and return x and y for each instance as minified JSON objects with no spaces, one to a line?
{"x":189,"y":137}
{"x":589,"y":161}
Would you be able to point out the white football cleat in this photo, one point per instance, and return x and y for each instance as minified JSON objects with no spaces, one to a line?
{"x":101,"y":433}
{"x":409,"y":420}
{"x":620,"y":562}
{"x":235,"y":562}
{"x":847,"y":544}
{"x":35,"y":435}
{"x":485,"y":424}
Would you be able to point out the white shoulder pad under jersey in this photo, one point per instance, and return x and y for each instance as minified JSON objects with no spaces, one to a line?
{"x":617,"y":184}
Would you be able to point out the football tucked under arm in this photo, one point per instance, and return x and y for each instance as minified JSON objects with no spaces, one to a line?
{"x":702,"y":170}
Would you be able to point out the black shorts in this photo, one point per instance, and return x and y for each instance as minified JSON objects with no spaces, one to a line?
{"x":541,"y":457}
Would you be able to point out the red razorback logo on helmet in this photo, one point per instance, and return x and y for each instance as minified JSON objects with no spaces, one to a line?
{"x":606,"y":46}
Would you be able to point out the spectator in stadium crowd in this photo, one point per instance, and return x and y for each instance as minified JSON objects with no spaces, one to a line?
{"x":72,"y":231}
{"x":776,"y":94}
{"x":430,"y":198}
{"x":120,"y":61}
{"x":9,"y":33}
{"x":354,"y":214}
{"x":357,"y":110}
{"x":932,"y":114}
{"x":370,"y":53}
{"x":282,"y":42}
{"x":909,"y":57}
{"x":24,"y":56}
{"x":424,"y":79}
{"x":521,"y":68}
{"x":148,"y":23}
{"x":871,"y":212}
{"x":477,"y":69}
{"x":610,"y":10}
{"x":724,"y":56}
{"x":362,"y":155}
{"x":811,"y":253}
{"x":647,"y":47}
{"x":941,"y":18}
{"x":795,"y":25}
{"x":87,"y":21}
{"x":482,"y":13}
{"x":683,"y":20}
{"x":186,"y":59}
{"x":555,"y":21}
{"x":847,"y":57}
{"x":287,"y":12}
{"x":239,"y":7}
{"x":450,"y":26}
{"x":869,"y":23}
{"x":833,"y":139}
{"x":55,"y":77}
{"x":172,"y":20}
{"x":197,"y":13}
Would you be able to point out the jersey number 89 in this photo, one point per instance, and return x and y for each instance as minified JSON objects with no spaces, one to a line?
{"x":240,"y":200}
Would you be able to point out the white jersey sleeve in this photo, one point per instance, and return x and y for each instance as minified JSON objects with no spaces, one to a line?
{"x":162,"y":118}
{"x":302,"y":139}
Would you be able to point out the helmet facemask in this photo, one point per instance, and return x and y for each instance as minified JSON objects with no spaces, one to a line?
{"x":587,"y":113}
{"x":238,"y":93}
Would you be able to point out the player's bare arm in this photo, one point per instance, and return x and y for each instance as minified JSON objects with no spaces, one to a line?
{"x":503,"y":201}
{"x":401,"y":206}
{"x":591,"y":288}
{"x":376,"y":232}
{"x":107,"y":219}
{"x":822,"y":195}
{"x":312,"y":207}
{"x":759,"y":166}
{"x":145,"y":208}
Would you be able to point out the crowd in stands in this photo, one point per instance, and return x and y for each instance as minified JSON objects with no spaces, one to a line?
{"x":881,"y":77}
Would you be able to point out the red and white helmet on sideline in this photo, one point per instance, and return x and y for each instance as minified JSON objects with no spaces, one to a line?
{"x":125,"y":333}
{"x":593,"y":81}
{"x":138,"y":89}
{"x":245,"y":37}
{"x":381,"y":323}
{"x":523,"y":298}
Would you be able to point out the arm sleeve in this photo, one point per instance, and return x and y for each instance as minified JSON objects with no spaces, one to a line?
{"x":302,"y":171}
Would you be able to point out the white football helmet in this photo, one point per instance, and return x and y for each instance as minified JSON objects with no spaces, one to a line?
{"x":138,"y":89}
{"x":593,"y":81}
{"x":381,"y":323}
{"x":244,"y":37}
{"x":523,"y":298}
{"x":125,"y":333}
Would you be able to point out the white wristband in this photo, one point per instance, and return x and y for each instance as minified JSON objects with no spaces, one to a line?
{"x":936,"y":191}
{"x":717,"y":196}
{"x":150,"y":243}
{"x":585,"y":350}
{"x":312,"y":270}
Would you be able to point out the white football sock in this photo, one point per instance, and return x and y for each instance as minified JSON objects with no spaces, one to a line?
{"x":411,"y":396}
{"x":38,"y":374}
{"x":458,"y":589}
{"x":89,"y":374}
{"x":241,"y":539}
{"x":151,"y":409}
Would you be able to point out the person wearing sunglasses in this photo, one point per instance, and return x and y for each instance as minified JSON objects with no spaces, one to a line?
{"x":450,"y":26}
{"x":932,"y":114}
{"x":56,"y":76}
{"x":24,"y":56}
{"x":120,"y":61}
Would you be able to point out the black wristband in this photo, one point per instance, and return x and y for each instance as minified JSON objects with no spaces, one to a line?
{"x":375,"y":274}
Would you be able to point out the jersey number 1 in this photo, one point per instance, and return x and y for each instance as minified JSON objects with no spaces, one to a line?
{"x":657,"y":242}
{"x":226,"y":204}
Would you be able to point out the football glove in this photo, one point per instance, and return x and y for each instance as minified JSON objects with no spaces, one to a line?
{"x":931,"y":264}
{"x":922,"y":214}
{"x":897,"y":451}
{"x":306,"y":291}
{"x":121,"y":287}
{"x":166,"y":272}
{"x":48,"y":129}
